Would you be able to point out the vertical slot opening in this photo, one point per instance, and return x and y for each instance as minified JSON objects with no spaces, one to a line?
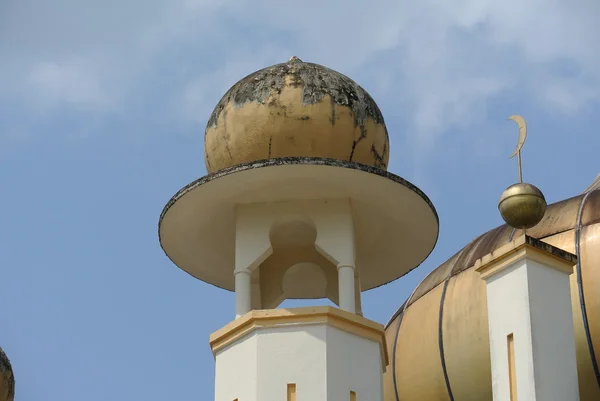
{"x":291,"y":392}
{"x":352,"y":396}
{"x":512,"y":373}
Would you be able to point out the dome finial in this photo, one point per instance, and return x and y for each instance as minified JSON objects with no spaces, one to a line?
{"x":521,"y":205}
{"x":294,"y":59}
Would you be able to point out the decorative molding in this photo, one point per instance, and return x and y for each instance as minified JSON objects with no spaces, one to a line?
{"x":334,"y":317}
{"x":525,"y":247}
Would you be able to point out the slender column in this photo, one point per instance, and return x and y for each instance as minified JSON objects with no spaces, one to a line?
{"x":243,"y":293}
{"x":357,"y":293}
{"x":252,"y":247}
{"x":346,"y":288}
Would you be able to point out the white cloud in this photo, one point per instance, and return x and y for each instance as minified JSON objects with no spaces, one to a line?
{"x":204,"y":90}
{"x":70,"y":82}
{"x":443,"y":61}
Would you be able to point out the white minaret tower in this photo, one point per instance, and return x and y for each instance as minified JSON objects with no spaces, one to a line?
{"x":298,"y":204}
{"x":530,"y":318}
{"x":532,"y":342}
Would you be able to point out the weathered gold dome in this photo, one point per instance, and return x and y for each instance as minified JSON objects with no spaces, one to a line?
{"x":438,"y":340}
{"x":7,"y":381}
{"x":295,"y":109}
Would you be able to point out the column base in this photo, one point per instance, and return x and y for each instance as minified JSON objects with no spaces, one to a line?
{"x":324,"y":352}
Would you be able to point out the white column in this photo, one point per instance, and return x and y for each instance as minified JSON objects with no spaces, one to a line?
{"x":346,"y":288}
{"x":252,"y":247}
{"x":357,"y":293}
{"x":532,"y":342}
{"x":243,"y":293}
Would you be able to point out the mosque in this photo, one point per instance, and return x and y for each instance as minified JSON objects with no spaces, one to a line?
{"x":298,"y":204}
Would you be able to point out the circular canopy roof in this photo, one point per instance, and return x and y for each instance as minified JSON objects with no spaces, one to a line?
{"x":396,"y":225}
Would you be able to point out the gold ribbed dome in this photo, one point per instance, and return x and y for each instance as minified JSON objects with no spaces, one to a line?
{"x":7,"y":381}
{"x":438,"y":340}
{"x":295,"y":109}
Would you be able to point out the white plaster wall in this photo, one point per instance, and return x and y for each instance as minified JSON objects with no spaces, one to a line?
{"x":553,"y":334}
{"x":533,"y":302}
{"x":332,"y":219}
{"x":292,"y":354}
{"x":325,"y":363}
{"x":235,"y":371}
{"x":508,"y":312}
{"x":354,"y":364}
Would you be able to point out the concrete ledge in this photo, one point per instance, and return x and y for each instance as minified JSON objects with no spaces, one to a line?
{"x":342,"y":320}
{"x":529,"y":247}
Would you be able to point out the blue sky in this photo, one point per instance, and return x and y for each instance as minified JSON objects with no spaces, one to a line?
{"x":102,"y":115}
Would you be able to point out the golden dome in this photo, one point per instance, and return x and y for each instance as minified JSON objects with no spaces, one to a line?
{"x":522,"y":205}
{"x":438,"y":340}
{"x":295,"y":109}
{"x":7,"y":381}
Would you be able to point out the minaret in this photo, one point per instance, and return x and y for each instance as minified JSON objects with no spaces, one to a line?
{"x":532,"y":342}
{"x":298,"y":204}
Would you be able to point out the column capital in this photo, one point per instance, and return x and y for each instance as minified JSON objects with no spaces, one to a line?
{"x":242,"y":270}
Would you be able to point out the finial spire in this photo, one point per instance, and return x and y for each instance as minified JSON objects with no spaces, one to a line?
{"x":522,"y":136}
{"x":294,"y":59}
{"x":521,"y":205}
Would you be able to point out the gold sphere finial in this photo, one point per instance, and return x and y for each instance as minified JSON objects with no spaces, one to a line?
{"x":522,"y":205}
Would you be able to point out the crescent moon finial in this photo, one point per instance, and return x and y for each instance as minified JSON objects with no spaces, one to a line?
{"x":522,"y":136}
{"x":522,"y":133}
{"x":521,"y":205}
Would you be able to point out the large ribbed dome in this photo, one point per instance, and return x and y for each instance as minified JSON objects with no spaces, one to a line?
{"x":438,"y":340}
{"x":7,"y":380}
{"x":295,"y":109}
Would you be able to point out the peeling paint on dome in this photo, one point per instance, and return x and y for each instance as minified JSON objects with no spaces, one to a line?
{"x":316,"y":82}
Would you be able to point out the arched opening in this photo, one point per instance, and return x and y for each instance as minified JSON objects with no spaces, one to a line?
{"x":295,"y":269}
{"x":304,"y":280}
